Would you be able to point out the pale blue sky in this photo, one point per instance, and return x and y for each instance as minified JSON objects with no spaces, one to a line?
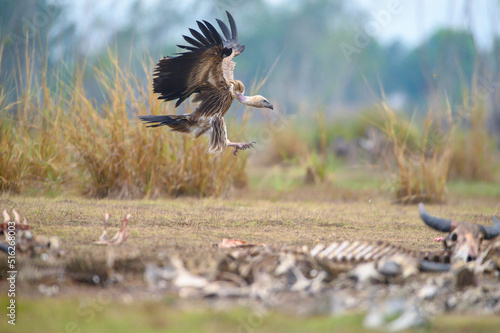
{"x":415,"y":22}
{"x":419,"y":18}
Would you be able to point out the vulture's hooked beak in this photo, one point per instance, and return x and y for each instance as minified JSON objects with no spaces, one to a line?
{"x":269,"y":105}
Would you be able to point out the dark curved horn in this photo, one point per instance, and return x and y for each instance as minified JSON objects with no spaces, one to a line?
{"x":434,"y":222}
{"x":430,"y":266}
{"x":4,"y":248}
{"x":491,"y":232}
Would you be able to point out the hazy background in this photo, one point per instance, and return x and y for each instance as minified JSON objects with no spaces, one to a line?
{"x":329,"y":55}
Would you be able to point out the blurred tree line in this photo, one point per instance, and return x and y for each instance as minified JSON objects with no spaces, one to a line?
{"x":313,"y":48}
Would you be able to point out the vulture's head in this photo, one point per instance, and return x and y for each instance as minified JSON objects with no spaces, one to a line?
{"x":258,"y":101}
{"x":463,"y":238}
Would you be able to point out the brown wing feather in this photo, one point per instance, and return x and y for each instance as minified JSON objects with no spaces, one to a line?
{"x":213,"y":101}
{"x":179,"y":77}
{"x":200,"y":69}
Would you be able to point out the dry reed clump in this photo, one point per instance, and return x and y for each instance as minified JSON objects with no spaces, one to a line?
{"x":319,"y":160}
{"x":421,"y":172}
{"x":286,"y":147}
{"x":301,"y":144}
{"x":30,"y":142}
{"x":471,"y":156}
{"x":13,"y":164}
{"x":62,"y":136}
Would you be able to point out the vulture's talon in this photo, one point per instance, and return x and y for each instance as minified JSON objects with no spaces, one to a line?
{"x":240,"y":146}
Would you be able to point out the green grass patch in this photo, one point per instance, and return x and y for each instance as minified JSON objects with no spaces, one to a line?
{"x":277,"y":178}
{"x":99,"y":315}
{"x":359,"y":179}
{"x":491,"y":189}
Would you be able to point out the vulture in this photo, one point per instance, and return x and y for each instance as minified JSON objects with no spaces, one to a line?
{"x":205,"y":69}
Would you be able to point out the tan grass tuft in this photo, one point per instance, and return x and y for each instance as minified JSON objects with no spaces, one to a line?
{"x":421,"y":172}
{"x":60,"y":137}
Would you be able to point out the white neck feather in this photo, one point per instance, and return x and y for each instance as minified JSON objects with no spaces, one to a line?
{"x":248,"y":100}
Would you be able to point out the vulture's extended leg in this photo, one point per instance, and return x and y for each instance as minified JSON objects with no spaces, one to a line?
{"x":240,"y":146}
{"x":219,"y":140}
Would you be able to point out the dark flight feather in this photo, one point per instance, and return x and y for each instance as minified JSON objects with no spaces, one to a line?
{"x":178,"y":77}
{"x":206,"y":33}
{"x":199,"y":37}
{"x":213,"y":32}
{"x":192,"y":41}
{"x":190,"y":48}
{"x":234,"y":30}
{"x":224,"y":28}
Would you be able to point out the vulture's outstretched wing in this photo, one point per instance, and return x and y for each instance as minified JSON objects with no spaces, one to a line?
{"x":207,"y":63}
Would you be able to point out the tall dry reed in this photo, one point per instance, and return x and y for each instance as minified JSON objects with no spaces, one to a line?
{"x":55,"y":135}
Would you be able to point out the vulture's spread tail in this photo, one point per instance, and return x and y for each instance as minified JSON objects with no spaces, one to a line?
{"x":179,"y":123}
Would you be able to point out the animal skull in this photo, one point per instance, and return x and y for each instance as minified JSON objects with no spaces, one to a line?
{"x":463,"y":238}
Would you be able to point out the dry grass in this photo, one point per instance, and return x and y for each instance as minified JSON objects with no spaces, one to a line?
{"x":12,"y":163}
{"x":286,"y":147}
{"x":451,"y":146}
{"x":59,"y":137}
{"x":304,"y":144}
{"x":319,"y":163}
{"x":472,"y":157}
{"x":422,"y":171}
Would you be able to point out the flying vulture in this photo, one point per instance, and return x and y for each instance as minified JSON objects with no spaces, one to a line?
{"x":206,"y":70}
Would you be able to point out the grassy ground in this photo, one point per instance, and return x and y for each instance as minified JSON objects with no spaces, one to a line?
{"x":345,"y":208}
{"x":82,"y":315}
{"x":277,"y":220}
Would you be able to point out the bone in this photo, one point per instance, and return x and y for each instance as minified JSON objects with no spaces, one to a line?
{"x":6,"y":217}
{"x":328,"y":250}
{"x":317,"y":249}
{"x":362,"y":253}
{"x":341,"y":255}
{"x":350,"y":256}
{"x":121,"y":235}
{"x":338,"y":250}
{"x":104,"y":236}
{"x":17,"y":218}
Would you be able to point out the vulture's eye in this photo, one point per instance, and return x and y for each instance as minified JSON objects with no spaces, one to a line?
{"x":265,"y":101}
{"x":454,"y":237}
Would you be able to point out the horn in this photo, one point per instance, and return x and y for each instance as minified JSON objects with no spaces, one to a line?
{"x":434,"y":222}
{"x":430,"y":266}
{"x":491,"y":232}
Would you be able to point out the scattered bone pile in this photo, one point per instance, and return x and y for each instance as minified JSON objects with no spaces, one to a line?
{"x":26,"y":242}
{"x":261,"y":270}
{"x":120,"y":236}
{"x":253,"y":267}
{"x":395,"y":285}
{"x":386,"y":280}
